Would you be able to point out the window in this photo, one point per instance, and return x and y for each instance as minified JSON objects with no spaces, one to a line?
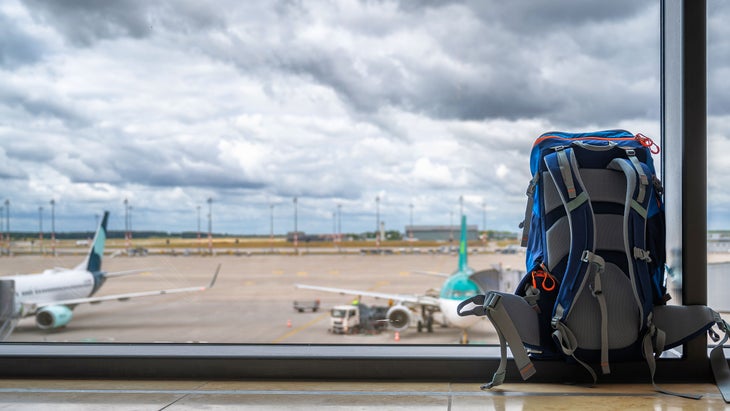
{"x":288,"y":361}
{"x":718,"y":158}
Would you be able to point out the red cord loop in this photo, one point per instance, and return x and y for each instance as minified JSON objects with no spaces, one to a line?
{"x":548,"y":282}
{"x":649,"y":143}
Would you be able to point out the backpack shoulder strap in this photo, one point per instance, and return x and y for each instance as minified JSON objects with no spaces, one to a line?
{"x":583,"y":263}
{"x":639,"y":192}
{"x":525,"y":224}
{"x":563,"y":169}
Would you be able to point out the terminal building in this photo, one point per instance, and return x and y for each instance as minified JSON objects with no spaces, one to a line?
{"x":440,"y":232}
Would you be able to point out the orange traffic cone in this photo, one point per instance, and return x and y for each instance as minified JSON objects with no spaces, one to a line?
{"x":397,"y":336}
{"x":288,"y":323}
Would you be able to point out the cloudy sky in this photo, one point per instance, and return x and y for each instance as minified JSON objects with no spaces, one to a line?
{"x":169,"y":103}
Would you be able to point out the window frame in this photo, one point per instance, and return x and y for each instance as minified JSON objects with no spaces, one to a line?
{"x":683,"y":127}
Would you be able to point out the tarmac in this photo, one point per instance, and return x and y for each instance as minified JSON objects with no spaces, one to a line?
{"x":252,"y":300}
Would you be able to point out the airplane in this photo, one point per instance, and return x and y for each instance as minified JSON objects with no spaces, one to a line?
{"x":52,"y":295}
{"x":408,"y":309}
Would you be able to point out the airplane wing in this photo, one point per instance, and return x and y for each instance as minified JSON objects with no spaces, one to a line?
{"x":123,"y":297}
{"x":128,"y":272}
{"x":397,"y":298}
{"x":432,"y":273}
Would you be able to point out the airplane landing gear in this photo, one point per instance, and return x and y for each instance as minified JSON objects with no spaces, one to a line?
{"x":464,"y":337}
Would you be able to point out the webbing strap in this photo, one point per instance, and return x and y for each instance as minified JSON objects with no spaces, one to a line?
{"x":532,"y":296}
{"x":498,"y":377}
{"x":651,"y":362}
{"x":641,"y":254}
{"x":643,"y":179}
{"x":525,"y":225}
{"x":568,"y":344}
{"x":660,"y":337}
{"x":577,"y":201}
{"x":597,"y":265}
{"x":720,"y":369}
{"x":639,"y":209}
{"x":565,"y":170}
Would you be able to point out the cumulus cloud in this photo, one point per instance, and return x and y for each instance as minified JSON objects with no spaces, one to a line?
{"x":253,"y":103}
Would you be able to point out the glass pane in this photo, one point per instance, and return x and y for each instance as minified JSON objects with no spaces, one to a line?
{"x":718,"y":159}
{"x":326,"y":144}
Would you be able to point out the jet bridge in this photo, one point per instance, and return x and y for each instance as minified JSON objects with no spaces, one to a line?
{"x":8,"y":319}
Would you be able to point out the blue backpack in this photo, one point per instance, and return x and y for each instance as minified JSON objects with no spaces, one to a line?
{"x":594,"y":291}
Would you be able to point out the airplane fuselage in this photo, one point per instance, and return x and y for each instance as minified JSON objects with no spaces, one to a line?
{"x":448,"y":308}
{"x":454,"y":290}
{"x":51,"y":285}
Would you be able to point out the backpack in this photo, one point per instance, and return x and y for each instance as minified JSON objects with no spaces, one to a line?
{"x":594,"y":291}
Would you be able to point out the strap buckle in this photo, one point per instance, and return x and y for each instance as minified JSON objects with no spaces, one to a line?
{"x":492,"y":300}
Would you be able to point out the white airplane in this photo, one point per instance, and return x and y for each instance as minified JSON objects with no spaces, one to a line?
{"x":419,"y":309}
{"x":52,"y":295}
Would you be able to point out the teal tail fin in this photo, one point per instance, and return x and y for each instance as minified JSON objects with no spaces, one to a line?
{"x":92,"y":262}
{"x":463,"y":246}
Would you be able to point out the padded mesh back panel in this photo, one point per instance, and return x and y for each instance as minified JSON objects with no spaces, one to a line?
{"x":623,"y":313}
{"x":609,"y":232}
{"x":558,"y":242}
{"x":603,"y":186}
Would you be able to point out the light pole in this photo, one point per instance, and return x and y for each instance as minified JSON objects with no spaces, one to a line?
{"x":271,"y":226}
{"x":198,"y":209}
{"x":40,"y":229}
{"x":377,"y":220}
{"x":126,"y":223}
{"x":210,"y":225}
{"x":339,"y":222}
{"x":410,"y":232}
{"x":484,"y":217}
{"x":130,"y":225}
{"x":53,"y":227}
{"x":484,"y":222}
{"x":334,"y":227}
{"x":451,"y":226}
{"x":461,"y":206}
{"x":296,"y":233}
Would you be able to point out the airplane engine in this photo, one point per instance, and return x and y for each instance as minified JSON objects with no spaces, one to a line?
{"x":399,"y":317}
{"x":53,"y":316}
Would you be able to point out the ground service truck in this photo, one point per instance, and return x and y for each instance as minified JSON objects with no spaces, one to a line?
{"x":357,"y":318}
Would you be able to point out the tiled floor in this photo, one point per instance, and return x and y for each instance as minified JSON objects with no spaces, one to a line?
{"x":59,"y":395}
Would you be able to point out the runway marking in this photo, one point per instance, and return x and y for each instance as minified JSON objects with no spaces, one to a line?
{"x":301,"y":328}
{"x":278,"y":272}
{"x":334,"y":272}
{"x":379,"y":284}
{"x":404,"y":273}
{"x":302,"y":273}
{"x":249,"y":283}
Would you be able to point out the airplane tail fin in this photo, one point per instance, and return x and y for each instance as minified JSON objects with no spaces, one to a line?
{"x":463,"y":246}
{"x":92,"y":262}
